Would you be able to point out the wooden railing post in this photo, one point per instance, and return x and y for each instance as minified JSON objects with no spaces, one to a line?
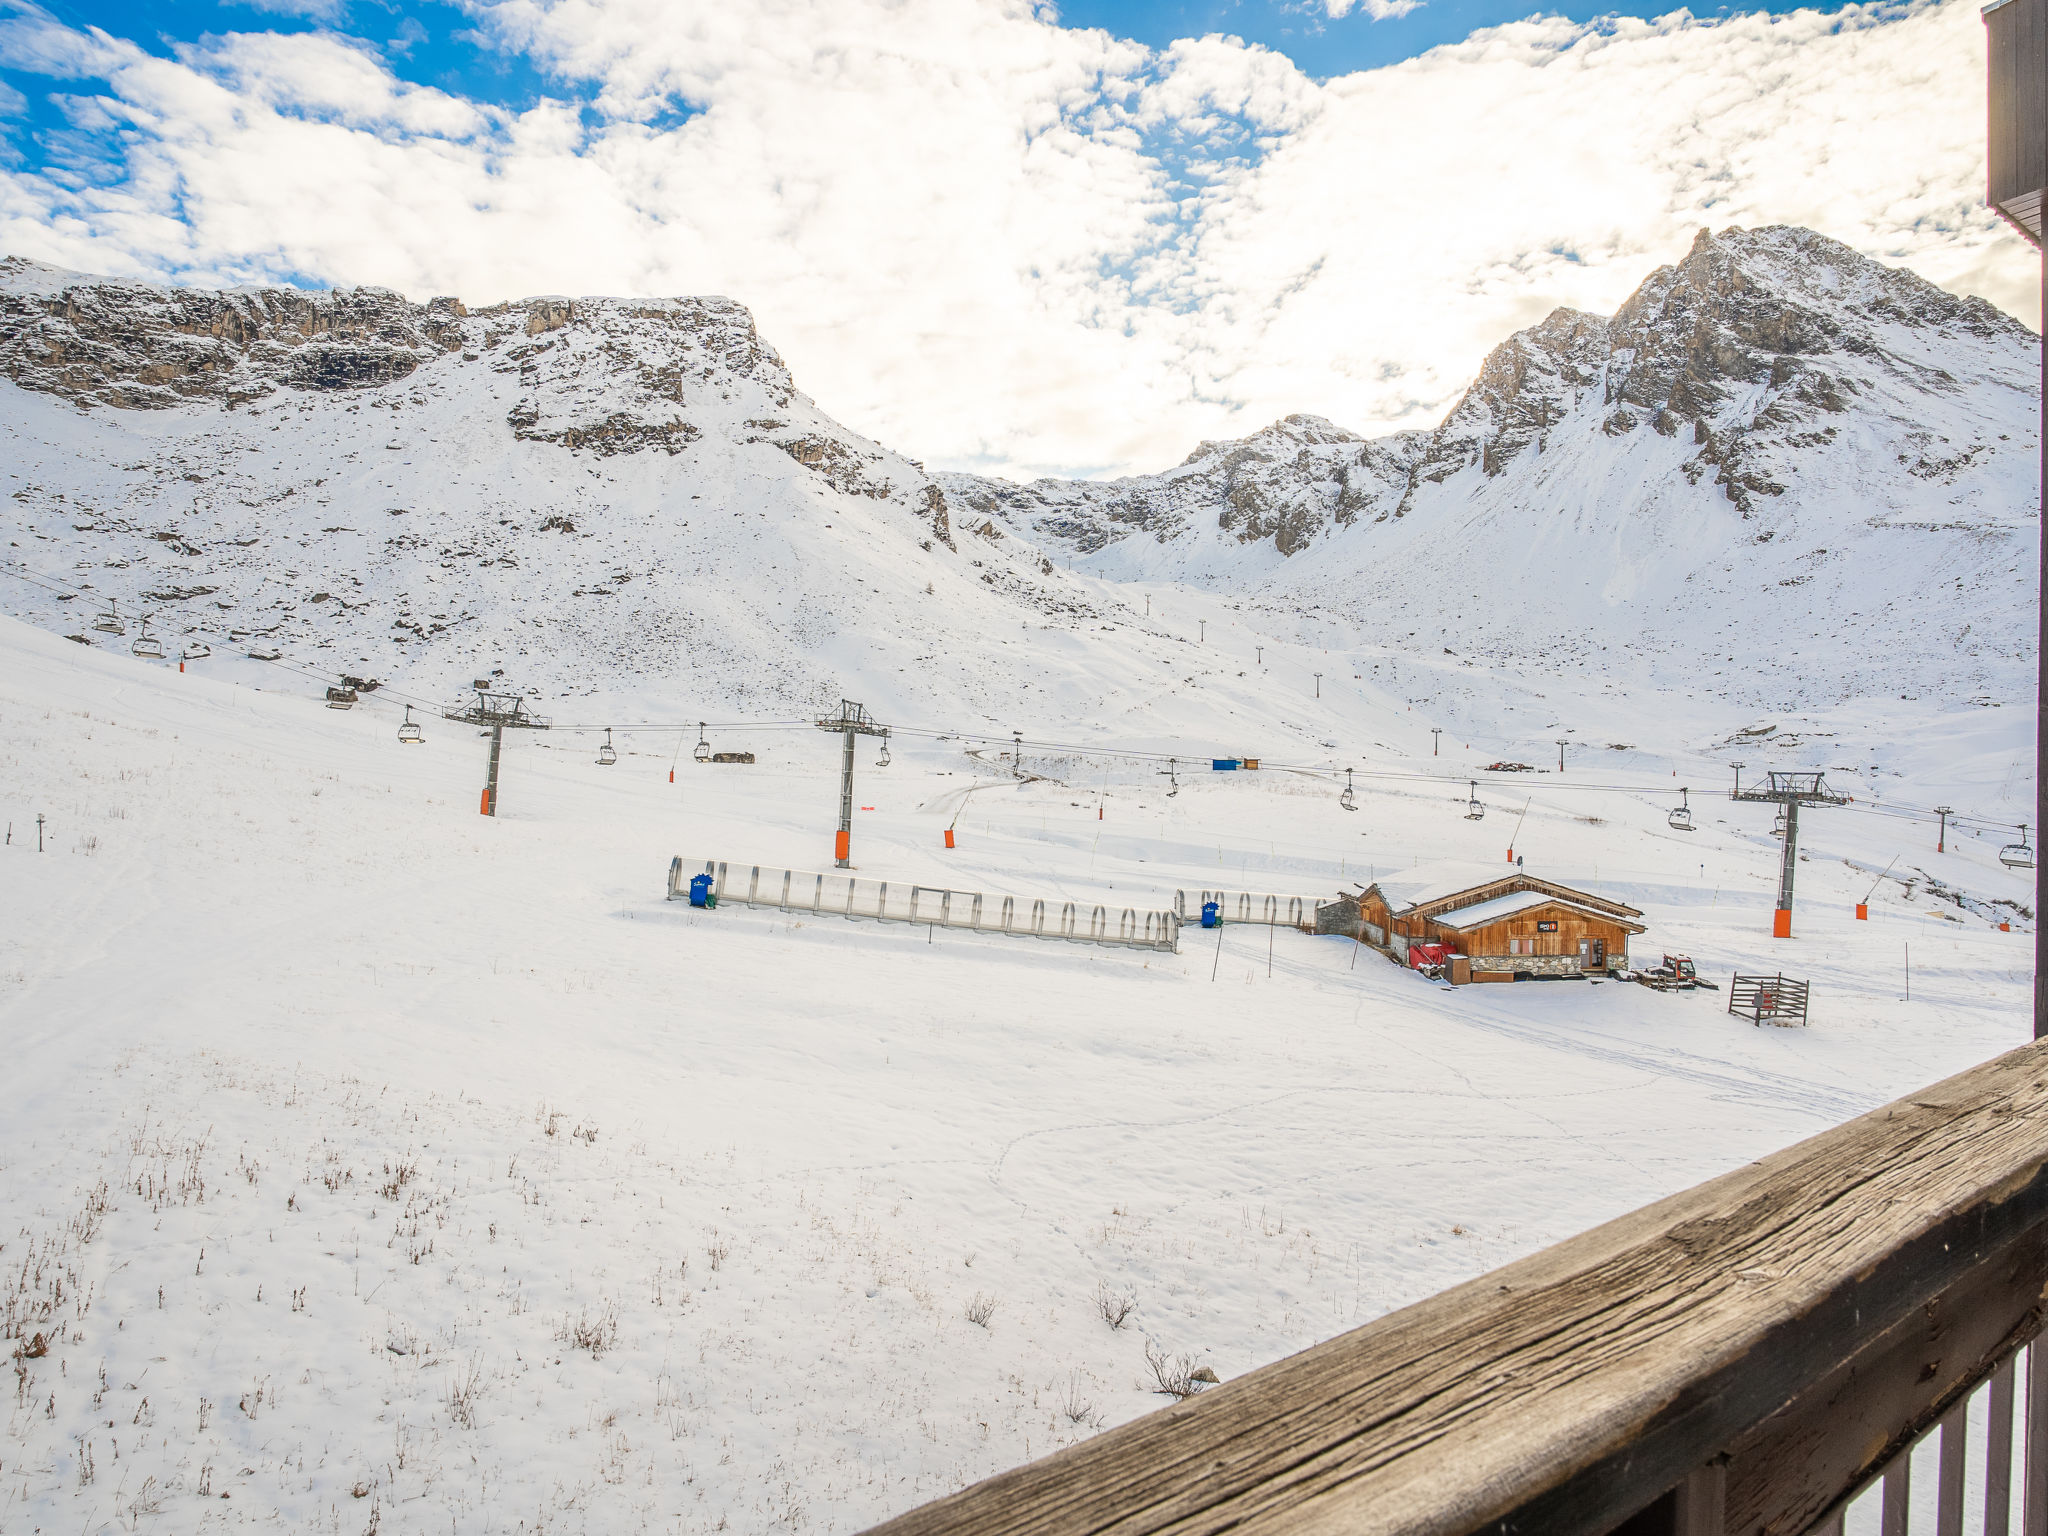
{"x":1998,"y":1453}
{"x":1703,"y":1502}
{"x":1955,"y":1441}
{"x":2034,"y":1499}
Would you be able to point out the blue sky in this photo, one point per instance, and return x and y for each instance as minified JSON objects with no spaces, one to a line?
{"x":437,"y":44}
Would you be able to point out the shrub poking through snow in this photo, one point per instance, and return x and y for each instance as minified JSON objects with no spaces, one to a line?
{"x":595,"y":1331}
{"x":1177,"y":1375}
{"x":1115,"y":1306}
{"x":980,"y":1308}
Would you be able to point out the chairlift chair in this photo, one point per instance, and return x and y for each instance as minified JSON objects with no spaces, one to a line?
{"x":109,"y":623}
{"x":1681,"y":818}
{"x":883,"y":760}
{"x":1172,"y":777}
{"x":2019,"y":855}
{"x":341,"y":698}
{"x":702,"y":751}
{"x":605,"y":755}
{"x":1474,"y":811}
{"x":409,"y":734}
{"x":146,"y":645}
{"x":1348,"y":800}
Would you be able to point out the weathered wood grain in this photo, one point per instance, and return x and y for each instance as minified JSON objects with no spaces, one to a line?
{"x":1567,"y":1391}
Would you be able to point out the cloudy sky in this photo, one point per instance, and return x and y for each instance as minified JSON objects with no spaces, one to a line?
{"x":998,"y":234}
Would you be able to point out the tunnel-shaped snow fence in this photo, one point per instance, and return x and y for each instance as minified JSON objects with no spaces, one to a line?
{"x":902,"y":901}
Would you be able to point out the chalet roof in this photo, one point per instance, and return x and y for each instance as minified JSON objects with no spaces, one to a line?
{"x":1437,"y":887}
{"x":1433,"y":882}
{"x":1479,"y":914}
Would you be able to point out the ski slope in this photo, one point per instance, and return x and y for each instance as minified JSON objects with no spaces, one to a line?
{"x":371,"y":1165}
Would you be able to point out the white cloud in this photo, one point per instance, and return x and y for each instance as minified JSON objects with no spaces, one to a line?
{"x":1378,"y":10}
{"x":330,"y":11}
{"x":984,"y":237}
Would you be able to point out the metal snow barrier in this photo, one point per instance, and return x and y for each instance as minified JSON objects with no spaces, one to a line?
{"x":1251,"y":907}
{"x":901,"y":901}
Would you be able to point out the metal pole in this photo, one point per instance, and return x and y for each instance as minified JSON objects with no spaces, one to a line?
{"x":1941,"y":837}
{"x":490,"y":806}
{"x":1781,"y":925}
{"x":2041,"y":688}
{"x":844,"y":850}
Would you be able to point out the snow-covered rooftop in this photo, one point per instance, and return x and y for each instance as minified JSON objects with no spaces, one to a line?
{"x":1434,"y":881}
{"x":1480,"y":913}
{"x":1500,"y":906}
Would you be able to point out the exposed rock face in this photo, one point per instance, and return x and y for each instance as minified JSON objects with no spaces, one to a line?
{"x":607,"y":375}
{"x":143,"y":347}
{"x":1749,"y":353}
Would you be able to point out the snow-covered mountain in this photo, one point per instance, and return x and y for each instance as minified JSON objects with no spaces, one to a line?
{"x":599,"y":493}
{"x":1781,"y":471}
{"x":1782,"y":475}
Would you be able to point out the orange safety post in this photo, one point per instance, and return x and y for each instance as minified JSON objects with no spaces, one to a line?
{"x":484,"y":809}
{"x":671,"y":775}
{"x":1781,"y":924}
{"x":949,"y":837}
{"x":842,"y":846}
{"x":1862,"y":912}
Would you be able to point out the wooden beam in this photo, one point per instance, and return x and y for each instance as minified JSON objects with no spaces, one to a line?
{"x":1573,"y":1389}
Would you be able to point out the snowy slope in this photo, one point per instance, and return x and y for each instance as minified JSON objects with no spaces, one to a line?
{"x":619,"y":495}
{"x":1782,"y":475}
{"x":411,"y":1172}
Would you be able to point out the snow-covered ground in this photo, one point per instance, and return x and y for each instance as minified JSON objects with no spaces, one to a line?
{"x":368,"y":1165}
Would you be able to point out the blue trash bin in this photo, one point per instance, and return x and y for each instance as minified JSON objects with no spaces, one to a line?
{"x":700,"y":891}
{"x":1212,"y":915}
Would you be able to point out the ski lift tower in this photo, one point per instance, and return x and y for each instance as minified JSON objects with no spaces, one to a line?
{"x":851,"y":721}
{"x":497,"y":710}
{"x":1789,"y":791}
{"x":2016,"y":184}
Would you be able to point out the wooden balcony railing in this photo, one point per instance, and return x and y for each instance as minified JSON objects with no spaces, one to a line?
{"x":1748,"y":1356}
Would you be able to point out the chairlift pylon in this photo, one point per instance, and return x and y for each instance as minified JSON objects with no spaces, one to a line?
{"x":702,"y":751}
{"x":1474,"y":811}
{"x":409,"y":734}
{"x":606,"y":756}
{"x":1348,"y":800}
{"x":2019,"y":855}
{"x":1680,"y":818}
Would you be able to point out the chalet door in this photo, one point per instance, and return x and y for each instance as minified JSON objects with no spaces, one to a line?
{"x":1593,"y":954}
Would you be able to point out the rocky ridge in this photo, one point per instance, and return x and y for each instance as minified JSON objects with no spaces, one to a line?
{"x":1747,"y":355}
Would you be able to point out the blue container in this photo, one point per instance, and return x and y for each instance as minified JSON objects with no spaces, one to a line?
{"x":1222,"y":764}
{"x":1212,"y":915}
{"x":700,"y":891}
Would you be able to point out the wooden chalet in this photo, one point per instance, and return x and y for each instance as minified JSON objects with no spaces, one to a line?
{"x":1481,"y":924}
